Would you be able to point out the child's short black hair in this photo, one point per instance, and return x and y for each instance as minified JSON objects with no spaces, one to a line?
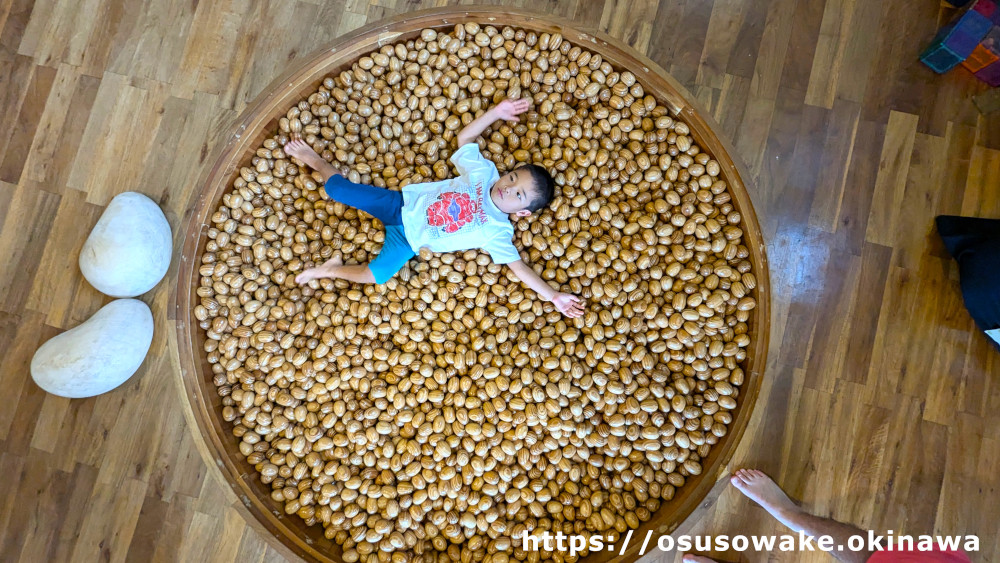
{"x":545,"y":187}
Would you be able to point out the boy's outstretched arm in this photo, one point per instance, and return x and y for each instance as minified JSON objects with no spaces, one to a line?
{"x":569,"y":305}
{"x":507,"y":109}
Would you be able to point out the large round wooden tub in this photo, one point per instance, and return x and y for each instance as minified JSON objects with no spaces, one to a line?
{"x":260,"y":120}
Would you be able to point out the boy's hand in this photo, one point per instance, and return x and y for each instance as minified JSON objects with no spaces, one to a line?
{"x":510,"y":109}
{"x":507,"y":110}
{"x":569,"y":305}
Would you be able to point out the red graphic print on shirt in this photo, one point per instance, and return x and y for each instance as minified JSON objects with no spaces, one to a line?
{"x":451,"y":211}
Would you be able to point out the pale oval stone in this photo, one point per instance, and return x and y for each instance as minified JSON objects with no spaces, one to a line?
{"x":129,"y":250}
{"x":97,"y":356}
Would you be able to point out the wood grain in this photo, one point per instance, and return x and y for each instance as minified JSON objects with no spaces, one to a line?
{"x":880,"y":402}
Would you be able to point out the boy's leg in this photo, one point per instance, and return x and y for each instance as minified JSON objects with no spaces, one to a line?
{"x":335,"y":268}
{"x":384,"y":204}
{"x":395,"y":253}
{"x":302,"y":151}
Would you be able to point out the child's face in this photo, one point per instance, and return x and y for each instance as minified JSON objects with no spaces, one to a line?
{"x":513,"y":191}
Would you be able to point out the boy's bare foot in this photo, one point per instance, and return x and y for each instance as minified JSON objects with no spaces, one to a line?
{"x":324,"y":271}
{"x":761,"y":489}
{"x":299,"y":149}
{"x":697,"y":559}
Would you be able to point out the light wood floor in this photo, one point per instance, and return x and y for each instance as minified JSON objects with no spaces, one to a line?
{"x":880,"y":403}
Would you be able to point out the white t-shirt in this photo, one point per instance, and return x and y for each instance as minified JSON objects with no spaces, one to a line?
{"x":458,"y":214}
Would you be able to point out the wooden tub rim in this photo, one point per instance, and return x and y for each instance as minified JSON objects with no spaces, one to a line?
{"x":212,"y":439}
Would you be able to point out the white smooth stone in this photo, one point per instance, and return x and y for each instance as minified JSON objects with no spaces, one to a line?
{"x":97,"y":356}
{"x":129,"y":250}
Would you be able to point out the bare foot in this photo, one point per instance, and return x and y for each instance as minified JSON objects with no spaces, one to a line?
{"x":324,"y":271}
{"x":697,"y":559}
{"x":761,"y":489}
{"x":299,"y":149}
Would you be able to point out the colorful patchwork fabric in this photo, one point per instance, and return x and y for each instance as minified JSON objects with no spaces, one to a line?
{"x":451,"y":211}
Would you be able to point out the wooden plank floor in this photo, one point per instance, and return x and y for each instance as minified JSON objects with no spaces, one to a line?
{"x":880,"y":401}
